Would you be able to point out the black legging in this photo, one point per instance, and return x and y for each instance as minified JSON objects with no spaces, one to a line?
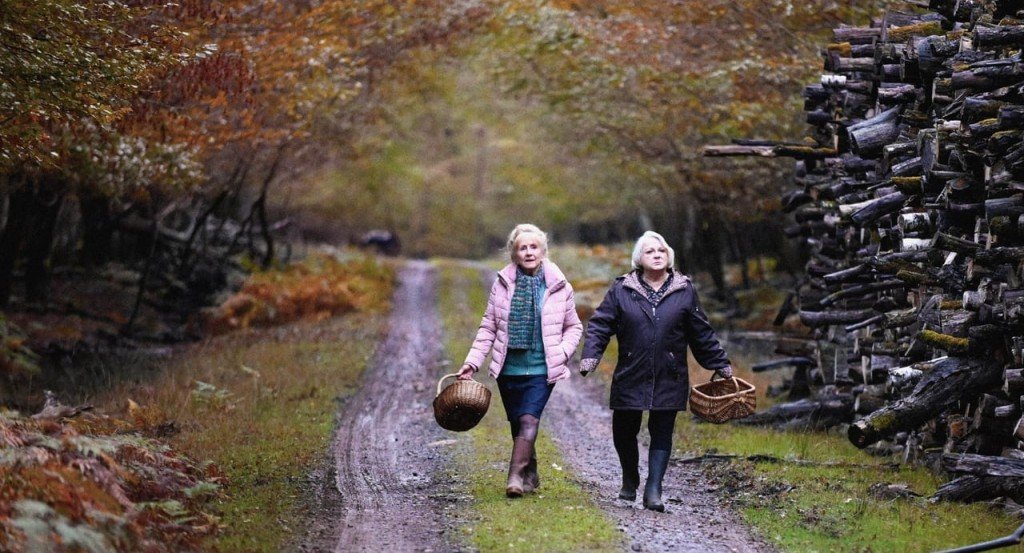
{"x":626,"y":426}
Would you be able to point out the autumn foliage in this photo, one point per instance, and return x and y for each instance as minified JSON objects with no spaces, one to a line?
{"x":317,"y":288}
{"x":89,"y":484}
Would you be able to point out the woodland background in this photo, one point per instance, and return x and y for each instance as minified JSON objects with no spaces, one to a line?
{"x":147,"y":129}
{"x":163,"y":163}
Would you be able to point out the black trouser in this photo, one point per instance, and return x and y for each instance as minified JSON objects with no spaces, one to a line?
{"x":626,"y":427}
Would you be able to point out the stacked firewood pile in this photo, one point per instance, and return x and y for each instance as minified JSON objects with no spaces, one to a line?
{"x":910,"y":194}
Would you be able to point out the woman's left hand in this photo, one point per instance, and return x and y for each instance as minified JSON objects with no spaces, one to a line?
{"x":588,"y":366}
{"x":725,"y":372}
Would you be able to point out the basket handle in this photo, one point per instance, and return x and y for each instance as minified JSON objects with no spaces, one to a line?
{"x":720,"y":377}
{"x":736,"y":386}
{"x":439,"y":382}
{"x":735,"y":383}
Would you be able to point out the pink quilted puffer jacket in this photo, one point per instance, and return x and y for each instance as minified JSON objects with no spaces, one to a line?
{"x":561,"y":326}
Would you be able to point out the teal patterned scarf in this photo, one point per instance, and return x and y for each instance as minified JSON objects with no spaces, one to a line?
{"x":522,"y":317}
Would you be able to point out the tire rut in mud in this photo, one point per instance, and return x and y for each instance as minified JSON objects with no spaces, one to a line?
{"x":388,"y":464}
{"x":390,"y":459}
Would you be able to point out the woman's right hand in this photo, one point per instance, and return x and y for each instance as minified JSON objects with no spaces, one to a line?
{"x":466,"y":372}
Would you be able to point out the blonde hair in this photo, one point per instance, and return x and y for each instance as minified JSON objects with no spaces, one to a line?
{"x":638,"y":249}
{"x":518,"y":232}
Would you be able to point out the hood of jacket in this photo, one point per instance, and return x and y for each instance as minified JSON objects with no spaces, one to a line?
{"x":632,"y":281}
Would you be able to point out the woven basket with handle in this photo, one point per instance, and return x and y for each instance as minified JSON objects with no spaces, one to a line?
{"x":723,"y":400}
{"x":461,"y":405}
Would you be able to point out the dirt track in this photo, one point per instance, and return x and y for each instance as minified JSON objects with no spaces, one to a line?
{"x":694,"y":519}
{"x":387,"y":462}
{"x":390,"y":457}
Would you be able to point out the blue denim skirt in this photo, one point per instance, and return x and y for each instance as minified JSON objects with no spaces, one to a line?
{"x":524,"y":395}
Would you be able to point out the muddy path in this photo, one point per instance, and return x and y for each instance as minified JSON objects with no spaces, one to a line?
{"x":387,"y":487}
{"x":694,"y":520}
{"x":389,"y":484}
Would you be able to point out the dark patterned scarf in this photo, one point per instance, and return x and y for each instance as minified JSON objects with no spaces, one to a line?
{"x":522,"y":317}
{"x":654,"y":296}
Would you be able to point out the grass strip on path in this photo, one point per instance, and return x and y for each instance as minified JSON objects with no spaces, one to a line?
{"x":560,"y":516}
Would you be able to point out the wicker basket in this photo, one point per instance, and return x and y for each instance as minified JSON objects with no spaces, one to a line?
{"x":722,"y":400}
{"x":461,"y":405}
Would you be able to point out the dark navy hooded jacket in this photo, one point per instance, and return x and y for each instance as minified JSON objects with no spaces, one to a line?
{"x":651,"y":372}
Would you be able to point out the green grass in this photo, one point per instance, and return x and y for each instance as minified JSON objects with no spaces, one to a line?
{"x":264,"y":415}
{"x":819,"y":498}
{"x":286,"y":432}
{"x":558,"y":517}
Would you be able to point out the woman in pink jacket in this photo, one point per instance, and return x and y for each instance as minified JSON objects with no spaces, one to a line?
{"x":531,"y":329}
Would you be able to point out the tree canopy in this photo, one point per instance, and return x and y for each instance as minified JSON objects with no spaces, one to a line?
{"x":421,"y":117}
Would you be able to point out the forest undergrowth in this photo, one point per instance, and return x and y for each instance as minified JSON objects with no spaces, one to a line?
{"x":211,"y":445}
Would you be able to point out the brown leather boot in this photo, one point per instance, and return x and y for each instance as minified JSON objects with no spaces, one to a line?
{"x":522,"y":448}
{"x":531,"y":481}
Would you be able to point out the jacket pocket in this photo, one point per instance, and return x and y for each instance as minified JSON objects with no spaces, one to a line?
{"x":676,"y":368}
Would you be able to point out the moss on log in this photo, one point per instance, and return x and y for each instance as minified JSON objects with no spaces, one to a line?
{"x":950,"y":344}
{"x":951,"y":379}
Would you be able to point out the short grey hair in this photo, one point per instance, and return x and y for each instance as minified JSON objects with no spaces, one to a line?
{"x":638,"y":249}
{"x":518,"y":232}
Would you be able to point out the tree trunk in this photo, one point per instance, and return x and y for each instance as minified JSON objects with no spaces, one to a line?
{"x":988,"y":75}
{"x":268,"y":257}
{"x":10,"y":238}
{"x":97,"y":229}
{"x":950,"y":380}
{"x":1011,"y":117}
{"x":819,"y":412}
{"x":836,"y":64}
{"x":185,"y":265}
{"x":800,"y":385}
{"x":983,"y":465}
{"x":970,"y":488}
{"x":1003,"y":35}
{"x":824,"y":318}
{"x":878,"y":208}
{"x":857,"y":35}
{"x":739,"y":250}
{"x":708,"y":248}
{"x":899,"y":94}
{"x":861,"y":290}
{"x":997,"y":256}
{"x":868,"y":137}
{"x":40,"y":241}
{"x":143,"y":277}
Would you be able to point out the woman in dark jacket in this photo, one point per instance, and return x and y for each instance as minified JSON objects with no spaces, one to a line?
{"x":655,"y":313}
